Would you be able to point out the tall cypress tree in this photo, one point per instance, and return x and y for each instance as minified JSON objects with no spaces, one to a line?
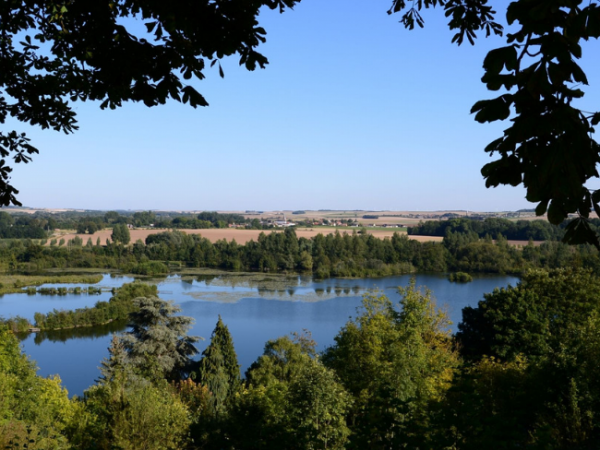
{"x":218,"y":369}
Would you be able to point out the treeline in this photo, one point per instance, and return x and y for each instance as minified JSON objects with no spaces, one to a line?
{"x":521,"y":373}
{"x":21,"y":227}
{"x":522,"y":230}
{"x":332,"y":255}
{"x":91,"y":224}
{"x":117,"y":308}
{"x":90,"y":290}
{"x":32,"y":225}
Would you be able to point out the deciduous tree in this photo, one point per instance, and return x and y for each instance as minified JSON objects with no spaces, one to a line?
{"x":394,"y":362}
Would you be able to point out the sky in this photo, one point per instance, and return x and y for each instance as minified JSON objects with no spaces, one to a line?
{"x":352,"y":112}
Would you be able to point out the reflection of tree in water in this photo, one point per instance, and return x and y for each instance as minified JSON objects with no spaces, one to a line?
{"x":264,"y":292}
{"x":259,"y":281}
{"x":205,"y":278}
{"x":187,"y":284}
{"x":291,"y":292}
{"x":83,"y":332}
{"x":319,"y":292}
{"x":356,"y":289}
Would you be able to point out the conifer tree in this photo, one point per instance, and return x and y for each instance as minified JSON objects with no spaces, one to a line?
{"x":115,"y":362}
{"x":158,"y":343}
{"x":219,"y":369}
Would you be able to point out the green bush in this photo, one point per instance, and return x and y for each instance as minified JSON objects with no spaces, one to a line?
{"x":460,"y":277}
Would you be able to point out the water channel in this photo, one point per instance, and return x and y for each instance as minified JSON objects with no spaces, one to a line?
{"x":255,"y":307}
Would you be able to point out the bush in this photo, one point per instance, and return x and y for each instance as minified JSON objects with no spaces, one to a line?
{"x":150,"y":268}
{"x":460,"y":277}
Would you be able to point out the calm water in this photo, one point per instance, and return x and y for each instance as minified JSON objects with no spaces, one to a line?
{"x":255,"y":311}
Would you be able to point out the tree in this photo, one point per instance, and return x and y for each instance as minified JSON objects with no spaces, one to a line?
{"x":394,"y":363}
{"x":533,"y":361}
{"x":34,"y":411}
{"x":541,"y":315}
{"x":131,"y":411}
{"x":292,"y":401}
{"x":125,"y":235}
{"x":121,"y":234}
{"x":54,"y":53}
{"x":158,"y":344}
{"x":219,"y":369}
{"x":549,"y":147}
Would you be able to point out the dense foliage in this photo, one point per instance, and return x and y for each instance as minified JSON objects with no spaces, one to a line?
{"x":535,"y":318}
{"x":521,"y":373}
{"x":521,"y":230}
{"x":332,"y":255}
{"x":460,"y":277}
{"x":21,"y":227}
{"x":35,"y":412}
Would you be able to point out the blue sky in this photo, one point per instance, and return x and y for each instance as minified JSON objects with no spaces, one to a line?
{"x":353,"y":112}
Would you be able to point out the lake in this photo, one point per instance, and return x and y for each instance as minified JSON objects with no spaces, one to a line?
{"x":255,"y":307}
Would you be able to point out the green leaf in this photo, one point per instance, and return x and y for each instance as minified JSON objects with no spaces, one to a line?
{"x":556,"y":214}
{"x":150,"y":26}
{"x":492,"y":110}
{"x":579,"y":75}
{"x":578,"y":231}
{"x":541,"y":208}
{"x":499,"y":58}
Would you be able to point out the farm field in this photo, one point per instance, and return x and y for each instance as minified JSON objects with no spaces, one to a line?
{"x":243,"y":236}
{"x":240,"y":236}
{"x":406,"y":218}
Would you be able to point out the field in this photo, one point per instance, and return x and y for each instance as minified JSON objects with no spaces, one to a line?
{"x":405,"y":218}
{"x":240,"y":236}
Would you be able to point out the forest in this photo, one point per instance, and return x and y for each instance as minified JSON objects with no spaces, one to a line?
{"x":521,"y":230}
{"x":40,"y":225}
{"x":521,"y":372}
{"x":323,"y":256}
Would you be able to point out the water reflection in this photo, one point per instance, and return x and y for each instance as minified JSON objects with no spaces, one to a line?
{"x":256,"y":307}
{"x":65,"y":335}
